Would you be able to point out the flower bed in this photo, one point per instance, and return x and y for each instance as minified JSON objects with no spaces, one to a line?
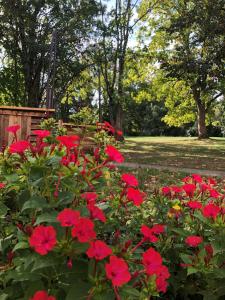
{"x":73,"y":227}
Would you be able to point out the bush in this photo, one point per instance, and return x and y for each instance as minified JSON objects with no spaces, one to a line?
{"x":72,"y":227}
{"x":63,"y":224}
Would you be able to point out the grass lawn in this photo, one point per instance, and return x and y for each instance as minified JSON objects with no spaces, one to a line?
{"x":182,"y":152}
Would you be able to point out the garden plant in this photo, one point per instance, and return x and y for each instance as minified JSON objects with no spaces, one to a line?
{"x":73,"y":227}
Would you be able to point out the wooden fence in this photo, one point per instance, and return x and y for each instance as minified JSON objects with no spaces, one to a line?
{"x":28,"y":118}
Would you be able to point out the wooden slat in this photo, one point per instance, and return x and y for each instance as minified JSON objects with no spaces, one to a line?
{"x":27,"y":108}
{"x":22,"y":113}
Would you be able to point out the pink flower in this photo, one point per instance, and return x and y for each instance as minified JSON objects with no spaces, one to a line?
{"x":130,"y":179}
{"x":43,"y":239}
{"x":98,"y":250}
{"x":194,"y":204}
{"x":84,"y":230}
{"x":114,"y":154}
{"x":68,"y":217}
{"x":19,"y":147}
{"x":42,"y":295}
{"x":117,"y":271}
{"x":13,"y":129}
{"x":193,"y":240}
{"x":136,"y":196}
{"x":211,"y":211}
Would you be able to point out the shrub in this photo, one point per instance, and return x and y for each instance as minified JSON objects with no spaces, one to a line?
{"x":73,"y":227}
{"x":63,"y":224}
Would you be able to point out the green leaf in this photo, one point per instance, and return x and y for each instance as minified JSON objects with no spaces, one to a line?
{"x":42,"y":262}
{"x":3,"y":296}
{"x":47,"y":217}
{"x":3,"y":210}
{"x":35,"y":202}
{"x":130,"y":291}
{"x":191,"y":270}
{"x":179,"y":231}
{"x":78,"y":291}
{"x":186,"y":258}
{"x":21,"y":245}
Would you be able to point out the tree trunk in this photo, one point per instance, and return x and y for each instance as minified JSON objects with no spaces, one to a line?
{"x":119,"y":122}
{"x":201,"y":109}
{"x":202,"y":130}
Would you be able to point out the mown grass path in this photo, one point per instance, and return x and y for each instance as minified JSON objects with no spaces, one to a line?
{"x":188,"y":155}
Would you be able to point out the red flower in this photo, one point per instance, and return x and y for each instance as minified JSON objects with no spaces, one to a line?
{"x":176,"y":189}
{"x":42,"y":295}
{"x":43,"y":239}
{"x":84,"y":230}
{"x":69,"y":263}
{"x":214,"y":194}
{"x":119,"y":133}
{"x":19,"y":147}
{"x":129,"y":179}
{"x":148,"y":234}
{"x":41,"y":133}
{"x":158,"y":228}
{"x":197,"y":178}
{"x":13,"y":128}
{"x":209,"y":253}
{"x":193,"y":240}
{"x":152,"y":261}
{"x":90,"y":197}
{"x":2,"y":185}
{"x":212,"y":181}
{"x":68,"y":141}
{"x":114,"y":154}
{"x":96,"y":213}
{"x":68,"y":217}
{"x":194,"y":204}
{"x":166,"y":190}
{"x":109,"y":127}
{"x":211,"y":211}
{"x":161,"y":283}
{"x":189,"y":189}
{"x":117,"y":271}
{"x":187,"y":179}
{"x":98,"y":250}
{"x":204,"y":187}
{"x":135,"y":196}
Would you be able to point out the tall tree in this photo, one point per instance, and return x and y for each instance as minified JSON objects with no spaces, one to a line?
{"x":191,"y":49}
{"x":27,"y":28}
{"x":115,"y":30}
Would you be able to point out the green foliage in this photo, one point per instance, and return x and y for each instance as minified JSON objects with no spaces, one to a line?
{"x":86,"y":115}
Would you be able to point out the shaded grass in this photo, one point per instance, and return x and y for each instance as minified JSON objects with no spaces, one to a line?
{"x":182,"y":152}
{"x":152,"y":179}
